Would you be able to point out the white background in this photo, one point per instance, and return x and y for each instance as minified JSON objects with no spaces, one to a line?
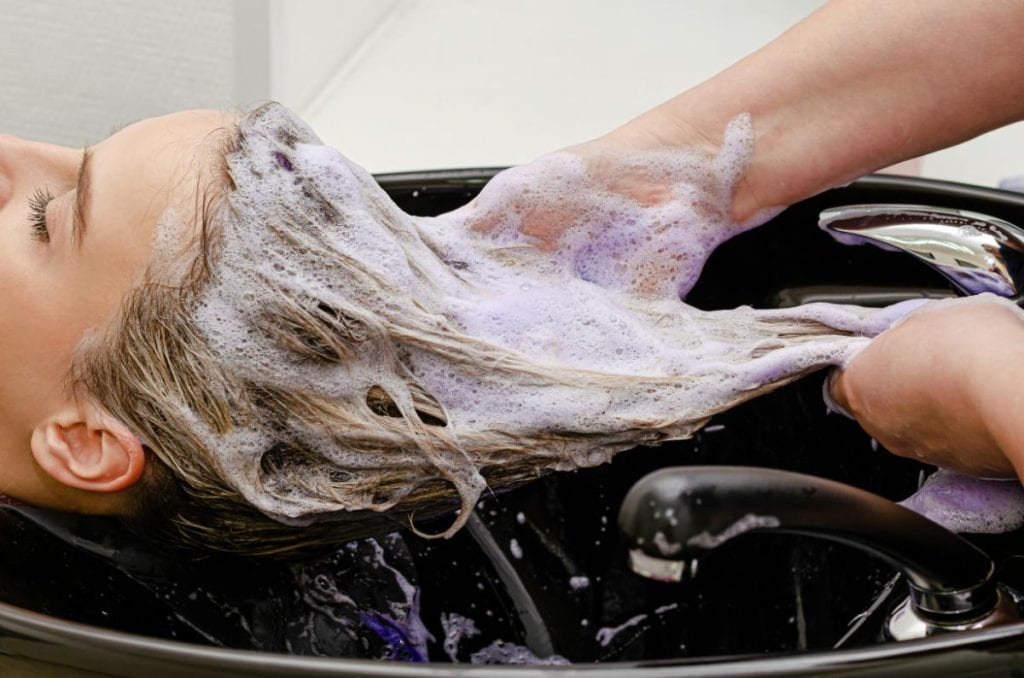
{"x":397,"y":84}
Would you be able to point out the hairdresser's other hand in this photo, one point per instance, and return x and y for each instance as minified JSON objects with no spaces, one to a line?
{"x":945,"y":387}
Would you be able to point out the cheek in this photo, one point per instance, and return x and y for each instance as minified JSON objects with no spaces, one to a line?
{"x":35,"y":348}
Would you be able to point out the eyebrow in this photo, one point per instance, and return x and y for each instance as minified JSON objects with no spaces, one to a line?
{"x":83,"y":197}
{"x":83,"y":194}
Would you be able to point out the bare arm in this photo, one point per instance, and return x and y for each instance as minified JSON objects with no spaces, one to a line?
{"x":858,"y":85}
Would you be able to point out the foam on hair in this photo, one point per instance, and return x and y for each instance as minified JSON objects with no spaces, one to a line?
{"x":446,"y":351}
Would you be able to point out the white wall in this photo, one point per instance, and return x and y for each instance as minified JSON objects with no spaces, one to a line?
{"x":447,"y":83}
{"x":70,"y":70}
{"x":455,"y":83}
{"x":984,"y":160}
{"x":397,"y":84}
{"x":311,"y":41}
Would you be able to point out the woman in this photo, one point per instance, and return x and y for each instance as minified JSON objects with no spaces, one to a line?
{"x":105,"y":270}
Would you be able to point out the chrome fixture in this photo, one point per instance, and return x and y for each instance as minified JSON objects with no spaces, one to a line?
{"x":977,"y":252}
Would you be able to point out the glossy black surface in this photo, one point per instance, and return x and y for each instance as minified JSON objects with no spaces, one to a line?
{"x":768,"y":602}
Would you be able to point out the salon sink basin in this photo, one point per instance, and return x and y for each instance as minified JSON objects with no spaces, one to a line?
{"x":543,"y":568}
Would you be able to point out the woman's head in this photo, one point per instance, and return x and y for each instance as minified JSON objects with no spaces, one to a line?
{"x":272,"y":372}
{"x":78,"y":234}
{"x":112,"y":398}
{"x":270,"y":383}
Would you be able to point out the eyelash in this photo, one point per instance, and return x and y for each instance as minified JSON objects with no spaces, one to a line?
{"x":37,"y":214}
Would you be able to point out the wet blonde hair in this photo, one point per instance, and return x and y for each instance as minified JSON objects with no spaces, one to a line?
{"x":157,"y":369}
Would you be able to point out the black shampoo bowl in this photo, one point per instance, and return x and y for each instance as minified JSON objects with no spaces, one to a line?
{"x":544,"y":567}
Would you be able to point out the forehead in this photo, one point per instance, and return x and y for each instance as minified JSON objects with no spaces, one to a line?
{"x":149,"y":183}
{"x":156,"y":158}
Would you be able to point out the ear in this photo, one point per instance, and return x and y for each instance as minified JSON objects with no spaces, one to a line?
{"x":85,"y":447}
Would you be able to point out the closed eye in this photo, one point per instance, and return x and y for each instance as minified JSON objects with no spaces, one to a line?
{"x":37,"y":205}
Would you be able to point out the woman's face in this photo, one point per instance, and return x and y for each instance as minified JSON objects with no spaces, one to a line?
{"x":74,"y":238}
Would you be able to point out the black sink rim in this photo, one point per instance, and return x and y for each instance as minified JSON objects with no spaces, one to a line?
{"x":101,"y":642}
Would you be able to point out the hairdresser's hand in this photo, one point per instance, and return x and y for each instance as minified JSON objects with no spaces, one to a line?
{"x":945,"y":386}
{"x":549,"y":195}
{"x":626,"y":201}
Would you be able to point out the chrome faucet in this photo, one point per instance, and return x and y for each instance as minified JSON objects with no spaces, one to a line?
{"x":977,"y":252}
{"x":674,"y":516}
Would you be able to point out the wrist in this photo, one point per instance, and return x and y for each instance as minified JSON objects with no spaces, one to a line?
{"x":995,"y":398}
{"x":664,"y":129}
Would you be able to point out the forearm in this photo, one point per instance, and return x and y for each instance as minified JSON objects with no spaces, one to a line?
{"x":858,"y":85}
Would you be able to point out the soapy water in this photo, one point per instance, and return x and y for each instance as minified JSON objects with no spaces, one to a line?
{"x":383,"y":619}
{"x":500,"y":652}
{"x":707,"y":540}
{"x":606,"y":635}
{"x":579,"y":582}
{"x":539,"y":328}
{"x":963,"y":503}
{"x":456,"y":627}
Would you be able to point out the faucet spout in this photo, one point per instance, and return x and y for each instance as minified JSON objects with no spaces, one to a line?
{"x":977,"y":252}
{"x":673,"y":516}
